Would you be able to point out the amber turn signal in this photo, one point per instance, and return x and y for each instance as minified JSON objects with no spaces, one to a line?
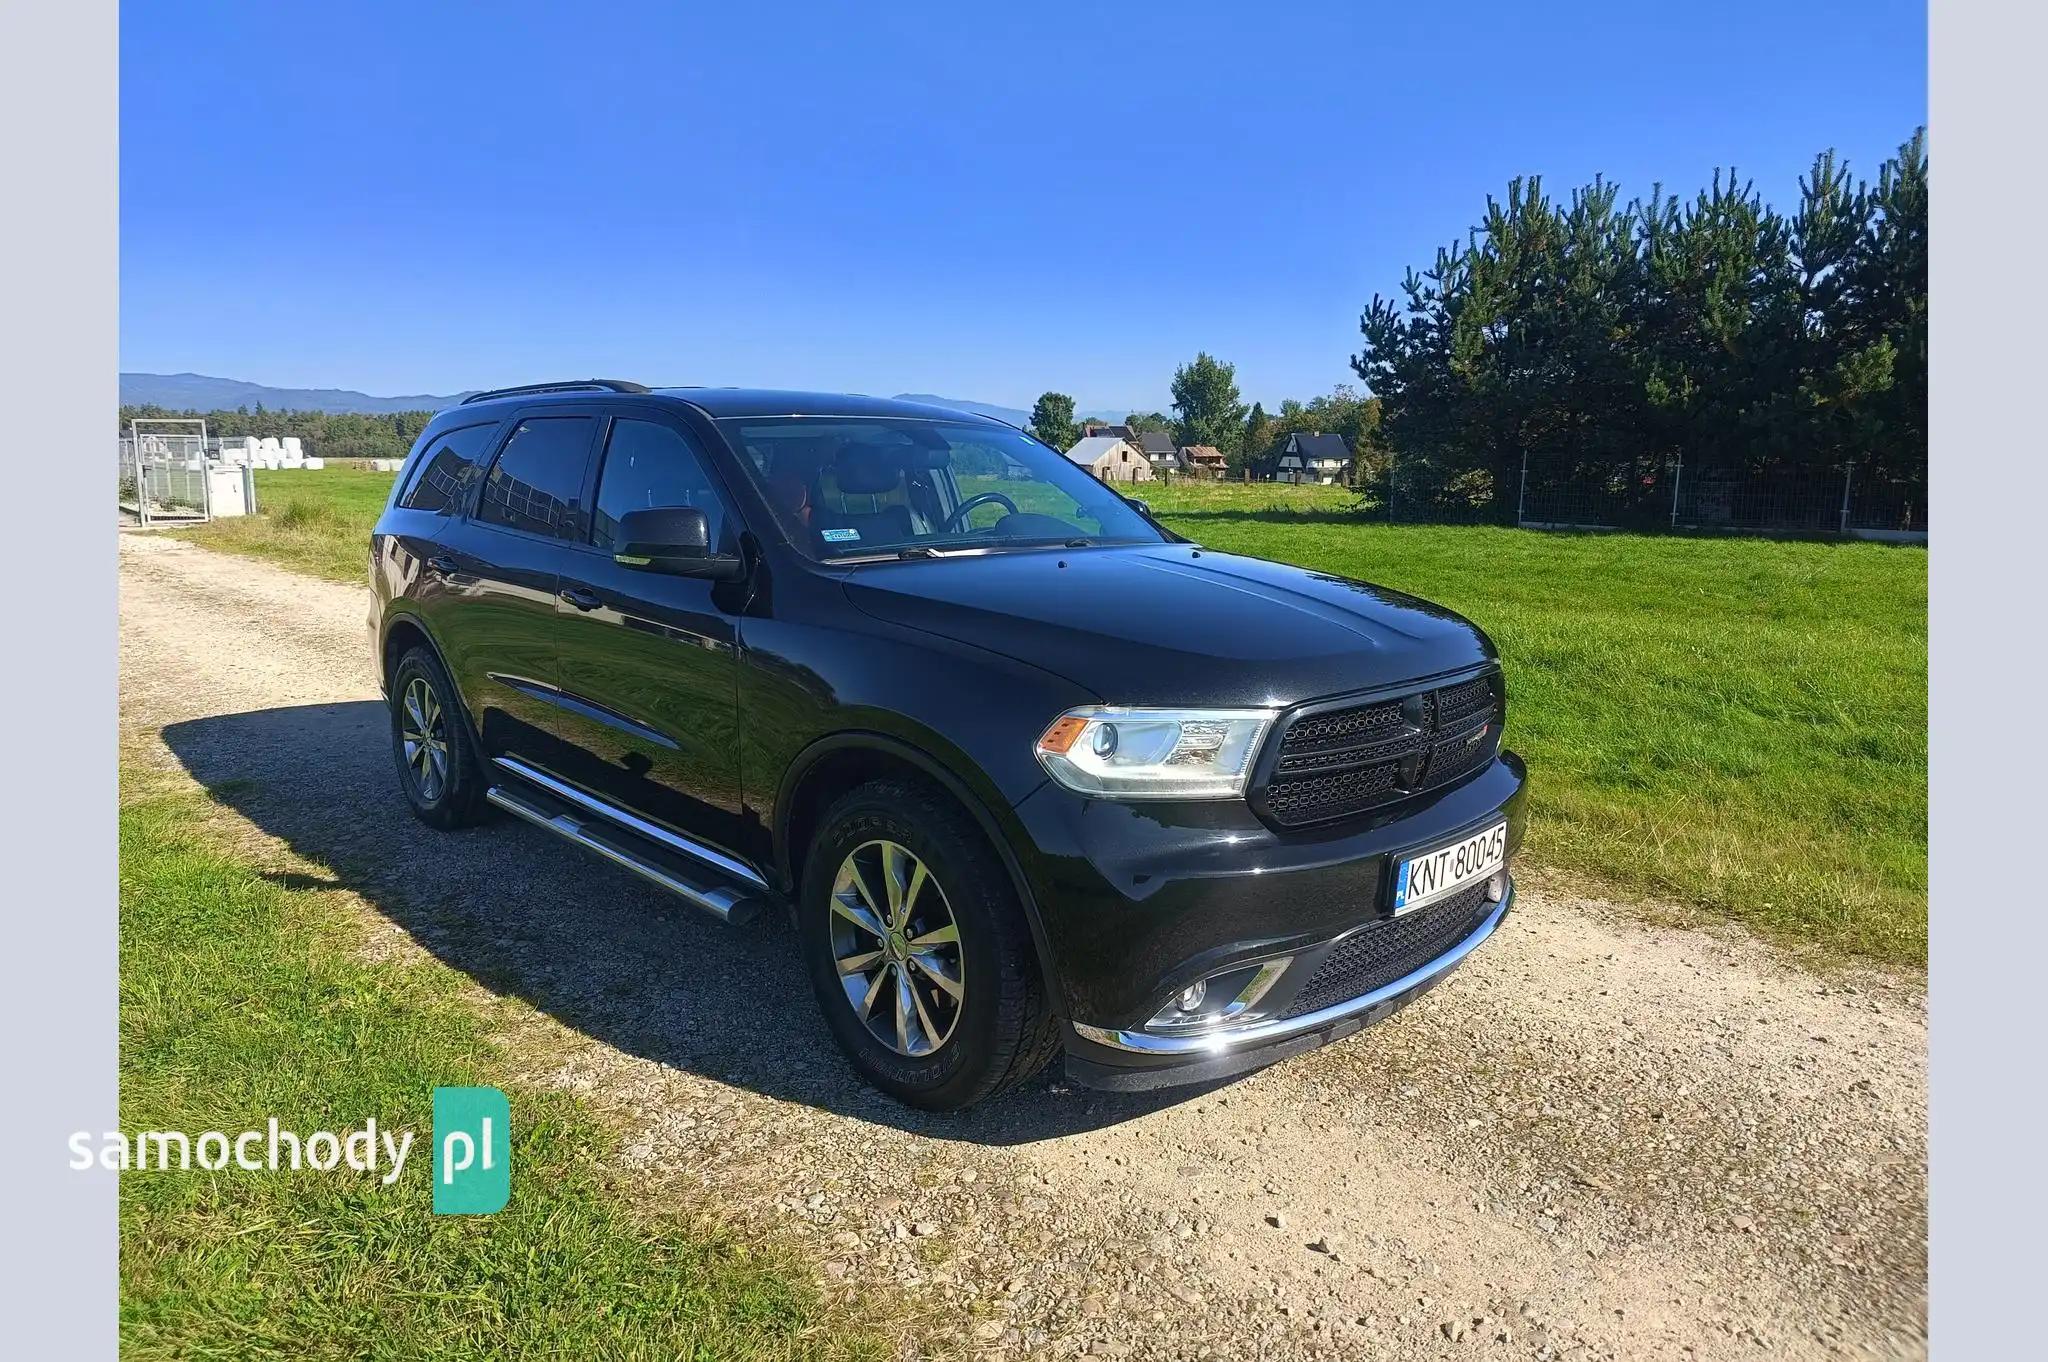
{"x":1061,"y":735}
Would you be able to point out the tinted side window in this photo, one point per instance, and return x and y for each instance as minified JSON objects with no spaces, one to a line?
{"x":447,"y":470}
{"x":537,"y":478}
{"x":645,"y":466}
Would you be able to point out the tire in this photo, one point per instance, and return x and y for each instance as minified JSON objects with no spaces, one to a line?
{"x":1000,"y":1031}
{"x":445,"y":787}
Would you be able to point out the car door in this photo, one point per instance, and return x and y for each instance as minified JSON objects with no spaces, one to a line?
{"x":499,"y":568}
{"x":648,"y":661}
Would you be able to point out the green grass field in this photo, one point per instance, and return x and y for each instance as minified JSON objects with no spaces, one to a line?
{"x":1181,"y":496}
{"x":1735,"y":725}
{"x":1738,"y":725}
{"x":314,"y":521}
{"x":245,"y":994}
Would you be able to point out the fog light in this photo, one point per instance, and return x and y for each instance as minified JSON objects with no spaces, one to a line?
{"x":1220,"y":998}
{"x":1497,"y":887}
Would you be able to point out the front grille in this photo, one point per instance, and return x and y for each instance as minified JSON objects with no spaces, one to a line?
{"x":1375,"y":956}
{"x":1454,"y":704}
{"x":1347,"y":723}
{"x":1337,"y":762}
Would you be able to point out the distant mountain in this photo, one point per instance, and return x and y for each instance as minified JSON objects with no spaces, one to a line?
{"x":198,"y":392}
{"x":1010,"y":414}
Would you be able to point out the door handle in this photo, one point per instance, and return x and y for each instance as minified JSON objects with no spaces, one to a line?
{"x":582,"y":597}
{"x":443,"y":564}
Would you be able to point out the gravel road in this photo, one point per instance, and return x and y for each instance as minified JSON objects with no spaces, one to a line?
{"x":1599,"y":1139}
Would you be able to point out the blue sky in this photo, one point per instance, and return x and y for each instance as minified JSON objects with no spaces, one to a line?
{"x":881,"y":198}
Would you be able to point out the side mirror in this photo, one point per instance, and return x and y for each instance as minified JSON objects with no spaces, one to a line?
{"x":675,"y":540}
{"x":1143,"y":508}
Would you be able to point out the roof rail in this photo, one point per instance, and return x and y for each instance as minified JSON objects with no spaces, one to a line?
{"x":572,"y":385}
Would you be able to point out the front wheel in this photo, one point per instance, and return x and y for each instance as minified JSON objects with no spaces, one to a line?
{"x":918,"y":949}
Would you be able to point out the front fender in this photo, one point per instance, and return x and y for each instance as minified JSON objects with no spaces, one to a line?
{"x":966,"y":718}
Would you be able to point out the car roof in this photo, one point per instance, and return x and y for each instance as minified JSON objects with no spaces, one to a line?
{"x":723,"y":402}
{"x":717,"y":403}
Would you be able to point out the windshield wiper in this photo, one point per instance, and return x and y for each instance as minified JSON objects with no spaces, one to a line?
{"x":955,"y":546}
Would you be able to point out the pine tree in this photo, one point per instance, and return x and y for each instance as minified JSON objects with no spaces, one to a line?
{"x":1601,"y":342}
{"x":1258,"y":440}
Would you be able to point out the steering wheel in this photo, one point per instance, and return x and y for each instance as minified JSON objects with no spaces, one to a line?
{"x":978,"y":499}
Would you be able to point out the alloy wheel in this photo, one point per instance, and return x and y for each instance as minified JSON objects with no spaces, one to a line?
{"x":897,"y":948}
{"x":423,"y":730}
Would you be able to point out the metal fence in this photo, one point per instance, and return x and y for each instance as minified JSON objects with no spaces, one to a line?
{"x":163,"y":473}
{"x":1573,"y":492}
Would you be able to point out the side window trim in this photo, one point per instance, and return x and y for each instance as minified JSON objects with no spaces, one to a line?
{"x":474,"y":497}
{"x":715,"y":481}
{"x":409,"y":472}
{"x":471,"y":511}
{"x":416,"y":466}
{"x":593,"y":478}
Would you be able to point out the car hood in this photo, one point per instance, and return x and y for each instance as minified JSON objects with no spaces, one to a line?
{"x":1173,"y":624}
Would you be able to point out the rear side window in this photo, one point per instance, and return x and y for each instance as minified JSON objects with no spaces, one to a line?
{"x":538,"y":476}
{"x":648,"y":466}
{"x":448,"y":470}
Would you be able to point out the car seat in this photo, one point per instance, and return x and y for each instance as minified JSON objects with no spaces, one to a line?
{"x":861,"y":470}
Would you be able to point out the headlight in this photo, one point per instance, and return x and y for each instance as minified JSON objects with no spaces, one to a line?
{"x":1123,"y":753}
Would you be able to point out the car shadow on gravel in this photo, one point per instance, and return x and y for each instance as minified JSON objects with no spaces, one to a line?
{"x":528,"y":915}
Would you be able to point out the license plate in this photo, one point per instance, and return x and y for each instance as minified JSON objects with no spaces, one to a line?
{"x":1438,"y":874}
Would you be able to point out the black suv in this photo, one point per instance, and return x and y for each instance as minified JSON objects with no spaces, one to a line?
{"x":1030,"y":772}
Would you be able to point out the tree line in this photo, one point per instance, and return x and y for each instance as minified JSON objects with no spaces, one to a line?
{"x":1716,"y":330}
{"x":325,"y":435}
{"x":1612,"y":341}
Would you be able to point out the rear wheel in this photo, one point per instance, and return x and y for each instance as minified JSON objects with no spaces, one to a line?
{"x":436,"y":763}
{"x":918,"y":949}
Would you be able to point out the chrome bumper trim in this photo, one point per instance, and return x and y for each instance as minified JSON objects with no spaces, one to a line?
{"x":1225,"y":1039}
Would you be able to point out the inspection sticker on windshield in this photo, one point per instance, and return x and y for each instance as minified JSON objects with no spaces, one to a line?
{"x":1438,"y":874}
{"x":840,"y":536}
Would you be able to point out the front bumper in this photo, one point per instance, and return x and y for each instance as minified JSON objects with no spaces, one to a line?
{"x":1144,"y":1060}
{"x":1138,"y":902}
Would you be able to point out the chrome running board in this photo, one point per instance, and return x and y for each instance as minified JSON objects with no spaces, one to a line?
{"x":651,"y":861}
{"x":696,"y":851}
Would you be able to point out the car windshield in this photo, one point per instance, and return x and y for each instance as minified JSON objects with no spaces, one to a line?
{"x":850,"y":487}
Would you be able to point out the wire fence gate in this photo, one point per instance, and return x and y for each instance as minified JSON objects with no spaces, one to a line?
{"x":172,"y":474}
{"x":164,"y":471}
